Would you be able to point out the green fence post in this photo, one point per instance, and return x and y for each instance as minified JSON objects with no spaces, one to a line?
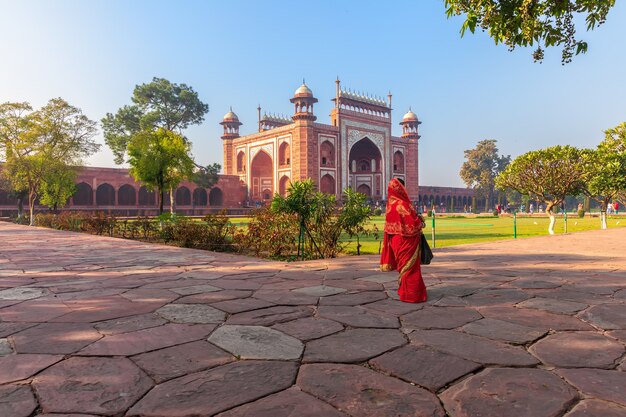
{"x":433,"y":229}
{"x":514,"y":225}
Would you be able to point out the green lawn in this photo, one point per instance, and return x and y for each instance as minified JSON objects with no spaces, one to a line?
{"x":451,"y":231}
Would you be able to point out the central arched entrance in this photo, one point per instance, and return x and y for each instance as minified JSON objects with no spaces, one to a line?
{"x":366,"y":171}
{"x":261,"y":177}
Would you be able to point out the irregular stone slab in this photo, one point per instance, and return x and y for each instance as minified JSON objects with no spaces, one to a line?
{"x":132,"y":343}
{"x":269,"y":316}
{"x":474,"y":348}
{"x":209,"y":392}
{"x":498,"y":296}
{"x":619,"y":335}
{"x":195,"y":289}
{"x":5,"y":347}
{"x":256,"y":342}
{"x":591,"y":408}
{"x":598,"y":383}
{"x":535,"y":318}
{"x":380,"y":278}
{"x":285,"y":297}
{"x":16,"y":401}
{"x":65,"y":415}
{"x":55,"y":338}
{"x":584,"y":350}
{"x":91,"y":385}
{"x":239,"y":306}
{"x":353,"y":299}
{"x":553,"y":305}
{"x":106,"y":308}
{"x":309,"y":328}
{"x":180,"y":360}
{"x":236,"y":284}
{"x":320,"y":290}
{"x":432,"y":317}
{"x":503,"y":330}
{"x":352,"y":346}
{"x":191,"y":313}
{"x":393,"y":307}
{"x":362,"y":392}
{"x":535,"y":283}
{"x":18,"y":367}
{"x":289,"y":403}
{"x":129,"y":324}
{"x":34,"y":311}
{"x":606,"y":316}
{"x":359,"y":317}
{"x":427,"y":368}
{"x":23,"y":293}
{"x":214,"y":297}
{"x":355,"y":285}
{"x":509,"y":392}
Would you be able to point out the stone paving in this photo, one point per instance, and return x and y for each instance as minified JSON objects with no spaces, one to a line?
{"x":94,"y":326}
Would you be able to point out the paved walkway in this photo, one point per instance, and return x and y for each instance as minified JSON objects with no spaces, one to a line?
{"x":93,"y":326}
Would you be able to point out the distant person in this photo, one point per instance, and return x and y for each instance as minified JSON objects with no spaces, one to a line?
{"x":616,"y":207}
{"x":609,"y":209}
{"x":531,"y":208}
{"x":403,"y":227}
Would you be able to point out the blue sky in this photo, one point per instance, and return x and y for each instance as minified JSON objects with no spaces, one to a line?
{"x":242,"y":53}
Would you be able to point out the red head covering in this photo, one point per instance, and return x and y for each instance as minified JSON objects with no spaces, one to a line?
{"x":401,"y":218}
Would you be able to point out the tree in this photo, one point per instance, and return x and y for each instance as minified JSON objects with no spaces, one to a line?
{"x":207,"y":176}
{"x":606,"y":169}
{"x":545,"y":23}
{"x":354,"y":214}
{"x":548,"y":174}
{"x":35,"y":143}
{"x":160,"y":159}
{"x":159,"y":104}
{"x":482,"y":165}
{"x":58,"y":186}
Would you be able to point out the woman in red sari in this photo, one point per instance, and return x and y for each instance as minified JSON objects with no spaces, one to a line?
{"x":401,"y":244}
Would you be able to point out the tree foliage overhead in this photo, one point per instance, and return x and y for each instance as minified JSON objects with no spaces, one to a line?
{"x":36,"y":144}
{"x":158,"y":104}
{"x":540,"y":23}
{"x":482,"y":165}
{"x":207,"y":176}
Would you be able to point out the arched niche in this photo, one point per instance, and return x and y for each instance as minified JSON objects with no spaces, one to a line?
{"x":83,"y":195}
{"x":126,"y":195}
{"x":105,"y":195}
{"x":216,"y":197}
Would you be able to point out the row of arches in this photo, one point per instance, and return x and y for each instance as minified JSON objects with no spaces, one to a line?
{"x":127,"y":195}
{"x":447,"y":202}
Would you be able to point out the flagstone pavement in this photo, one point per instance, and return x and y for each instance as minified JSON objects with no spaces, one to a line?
{"x":95,"y":326}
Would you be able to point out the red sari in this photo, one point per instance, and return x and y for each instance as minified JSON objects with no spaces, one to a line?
{"x":401,"y":244}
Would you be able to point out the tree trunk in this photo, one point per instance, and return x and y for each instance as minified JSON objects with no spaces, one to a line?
{"x":603,"y":205}
{"x":550,"y":214}
{"x":31,"y":206}
{"x":487,"y":202}
{"x":160,"y":200}
{"x":172,"y":201}
{"x":20,"y":208}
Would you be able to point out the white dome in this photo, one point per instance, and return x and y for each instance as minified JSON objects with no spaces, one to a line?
{"x":409,"y":116}
{"x":303,"y":90}
{"x":231,"y":116}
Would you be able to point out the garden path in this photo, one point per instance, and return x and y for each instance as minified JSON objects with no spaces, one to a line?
{"x":95,"y":326}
